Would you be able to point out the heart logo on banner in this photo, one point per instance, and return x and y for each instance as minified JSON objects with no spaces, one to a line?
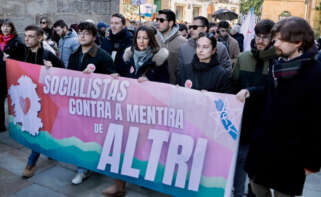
{"x":188,"y":83}
{"x":25,"y":105}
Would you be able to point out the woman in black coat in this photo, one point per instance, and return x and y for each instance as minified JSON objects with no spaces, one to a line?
{"x":145,"y":58}
{"x":10,"y":43}
{"x":205,"y":72}
{"x":146,"y":61}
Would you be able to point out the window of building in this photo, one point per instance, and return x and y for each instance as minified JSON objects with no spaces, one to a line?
{"x":179,"y":12}
{"x":196,"y":11}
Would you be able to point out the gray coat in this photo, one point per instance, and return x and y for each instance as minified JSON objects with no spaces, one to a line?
{"x":67,"y":45}
{"x":188,"y":50}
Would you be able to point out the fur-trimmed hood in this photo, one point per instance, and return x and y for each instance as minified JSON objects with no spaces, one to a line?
{"x":159,"y":58}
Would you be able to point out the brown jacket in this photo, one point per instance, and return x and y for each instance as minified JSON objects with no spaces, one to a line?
{"x":172,"y":42}
{"x":233,"y":49}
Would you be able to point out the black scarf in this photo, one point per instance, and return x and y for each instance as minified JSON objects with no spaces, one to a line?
{"x":261,"y":56}
{"x":201,"y":66}
{"x":288,"y":69}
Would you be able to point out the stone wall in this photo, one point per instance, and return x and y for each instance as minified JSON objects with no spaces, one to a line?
{"x":25,"y":12}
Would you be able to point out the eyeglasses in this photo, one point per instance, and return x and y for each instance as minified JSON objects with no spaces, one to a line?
{"x":43,"y":22}
{"x":264,"y":38}
{"x":194,"y":27}
{"x":84,"y":33}
{"x":160,"y":20}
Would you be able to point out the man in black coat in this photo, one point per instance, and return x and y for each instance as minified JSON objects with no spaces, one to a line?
{"x":3,"y":91}
{"x":286,"y":144}
{"x":118,"y":40}
{"x":36,"y":54}
{"x":89,"y":58}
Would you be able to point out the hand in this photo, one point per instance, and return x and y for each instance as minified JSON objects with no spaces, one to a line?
{"x":142,"y":79}
{"x":5,"y":56}
{"x":242,"y":95}
{"x":115,"y":75}
{"x":90,"y":69}
{"x":48,"y":64}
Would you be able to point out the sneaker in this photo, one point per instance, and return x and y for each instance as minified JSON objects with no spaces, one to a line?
{"x":79,"y":178}
{"x":29,"y":171}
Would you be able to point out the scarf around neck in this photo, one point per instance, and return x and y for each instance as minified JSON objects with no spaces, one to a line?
{"x":170,"y":35}
{"x":141,"y":57}
{"x":286,"y":69}
{"x":201,"y":66}
{"x":4,"y":40}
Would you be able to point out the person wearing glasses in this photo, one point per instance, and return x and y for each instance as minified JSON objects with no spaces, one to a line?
{"x":252,"y":69}
{"x":168,"y":36}
{"x":286,"y":142}
{"x":89,"y":58}
{"x":187,"y":51}
{"x":231,"y":44}
{"x":47,"y":42}
{"x":205,"y":72}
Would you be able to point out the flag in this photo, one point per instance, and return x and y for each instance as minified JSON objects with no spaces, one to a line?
{"x":247,"y":29}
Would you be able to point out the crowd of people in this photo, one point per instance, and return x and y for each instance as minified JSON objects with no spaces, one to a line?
{"x":277,"y":79}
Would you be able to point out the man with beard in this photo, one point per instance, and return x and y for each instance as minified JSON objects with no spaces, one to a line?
{"x":286,"y":145}
{"x":68,"y":42}
{"x":118,"y":40}
{"x":168,"y":36}
{"x":252,"y":69}
{"x":89,"y":58}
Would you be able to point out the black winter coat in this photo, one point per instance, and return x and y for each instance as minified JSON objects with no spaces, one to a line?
{"x":118,"y":43}
{"x":103,"y":62}
{"x":15,"y":49}
{"x":288,"y":138}
{"x":41,"y":55}
{"x":206,"y":76}
{"x":155,"y":69}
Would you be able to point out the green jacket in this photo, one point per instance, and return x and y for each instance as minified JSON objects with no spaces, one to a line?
{"x":252,"y":72}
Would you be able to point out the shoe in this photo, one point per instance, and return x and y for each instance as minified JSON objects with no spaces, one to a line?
{"x":113,"y":191}
{"x":29,"y":171}
{"x":79,"y":178}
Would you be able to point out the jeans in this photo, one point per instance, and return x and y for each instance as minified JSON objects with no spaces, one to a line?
{"x":33,"y":158}
{"x":240,"y":174}
{"x":82,"y":170}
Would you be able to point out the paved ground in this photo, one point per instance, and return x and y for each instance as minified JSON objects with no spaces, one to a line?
{"x":53,"y":179}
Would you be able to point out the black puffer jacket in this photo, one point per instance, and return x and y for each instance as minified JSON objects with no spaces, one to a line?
{"x":15,"y":49}
{"x":155,"y":69}
{"x":206,"y":76}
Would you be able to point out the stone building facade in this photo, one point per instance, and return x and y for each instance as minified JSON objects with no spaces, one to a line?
{"x":25,"y":12}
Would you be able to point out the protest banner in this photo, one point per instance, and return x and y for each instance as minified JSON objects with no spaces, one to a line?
{"x":175,"y":140}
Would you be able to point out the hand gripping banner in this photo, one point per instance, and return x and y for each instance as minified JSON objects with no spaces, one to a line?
{"x":175,"y":140}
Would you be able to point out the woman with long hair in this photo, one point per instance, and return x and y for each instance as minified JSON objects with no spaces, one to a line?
{"x":146,"y":61}
{"x":10,"y":44}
